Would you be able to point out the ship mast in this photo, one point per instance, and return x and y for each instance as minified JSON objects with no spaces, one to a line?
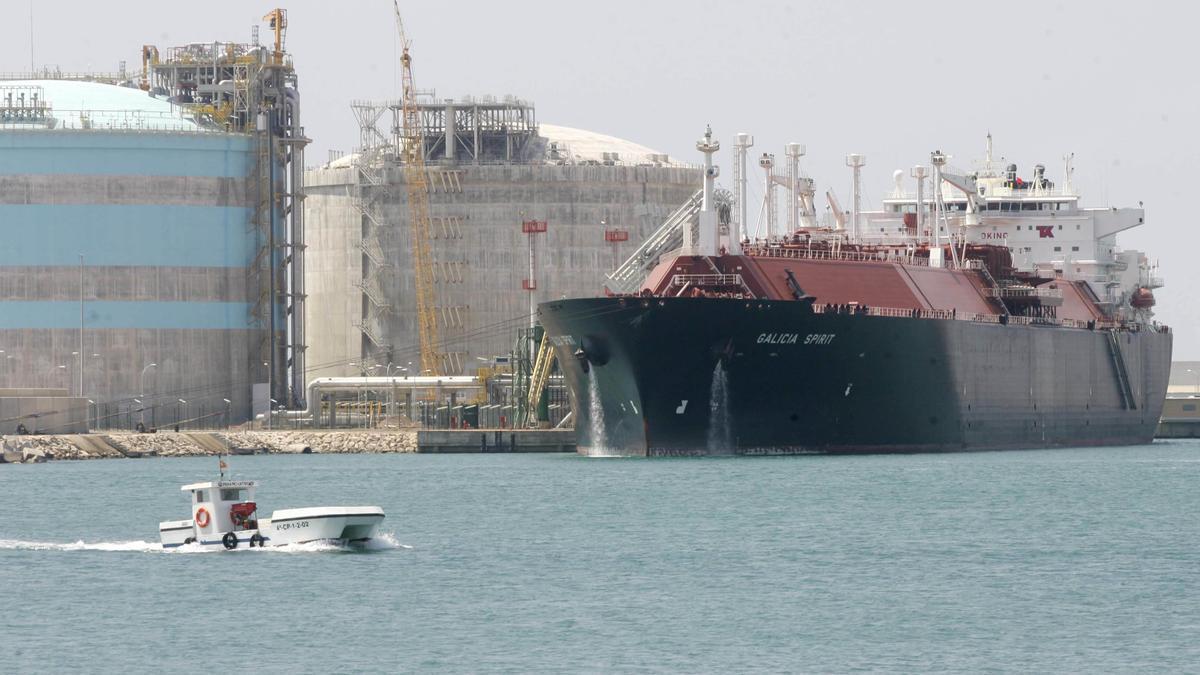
{"x":707,"y":244}
{"x":741,"y":148}
{"x":918,"y":172}
{"x":794,"y":152}
{"x":938,"y":160}
{"x":856,"y":162}
{"x":767,"y":162}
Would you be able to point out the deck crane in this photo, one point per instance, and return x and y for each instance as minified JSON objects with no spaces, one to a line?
{"x":839,"y":216}
{"x":416,"y":181}
{"x":970,"y":187}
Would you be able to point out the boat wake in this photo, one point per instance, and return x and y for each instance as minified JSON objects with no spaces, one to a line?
{"x":383,"y":542}
{"x":108,"y":546}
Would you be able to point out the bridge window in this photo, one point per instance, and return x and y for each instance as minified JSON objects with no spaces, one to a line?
{"x":1074,"y":248}
{"x":1029,"y":206}
{"x":201,"y":496}
{"x":1058,"y":248}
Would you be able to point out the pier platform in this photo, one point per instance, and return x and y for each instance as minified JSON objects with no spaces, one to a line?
{"x":495,"y":440}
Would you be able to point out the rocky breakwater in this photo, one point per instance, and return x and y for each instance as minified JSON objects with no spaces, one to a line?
{"x":38,"y":449}
{"x":157,"y":445}
{"x":35,"y":449}
{"x":324,"y":441}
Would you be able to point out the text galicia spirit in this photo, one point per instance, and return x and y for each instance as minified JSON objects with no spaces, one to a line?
{"x":794,"y":338}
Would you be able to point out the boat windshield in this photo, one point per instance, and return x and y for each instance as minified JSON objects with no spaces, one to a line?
{"x":233,"y":495}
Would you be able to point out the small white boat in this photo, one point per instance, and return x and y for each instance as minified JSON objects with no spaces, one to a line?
{"x":225,"y":516}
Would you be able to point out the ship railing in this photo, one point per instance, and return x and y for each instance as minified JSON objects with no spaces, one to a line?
{"x":707,"y":280}
{"x":1011,"y":292}
{"x":791,"y":253}
{"x":1012,"y":320}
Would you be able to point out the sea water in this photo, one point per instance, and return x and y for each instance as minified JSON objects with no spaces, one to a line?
{"x":1082,"y":560}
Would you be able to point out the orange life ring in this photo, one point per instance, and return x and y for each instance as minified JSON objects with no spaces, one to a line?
{"x":202,"y":517}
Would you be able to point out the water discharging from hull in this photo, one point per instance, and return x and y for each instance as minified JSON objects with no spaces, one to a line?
{"x":720,"y":437}
{"x":596,"y":430}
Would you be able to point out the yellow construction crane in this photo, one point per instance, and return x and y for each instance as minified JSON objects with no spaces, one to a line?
{"x":277,"y":21}
{"x":417,"y":182}
{"x":149,"y":58}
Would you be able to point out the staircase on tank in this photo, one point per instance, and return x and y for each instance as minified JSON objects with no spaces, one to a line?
{"x":669,"y":236}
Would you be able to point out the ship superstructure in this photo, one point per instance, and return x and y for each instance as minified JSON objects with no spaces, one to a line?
{"x":1042,"y":223}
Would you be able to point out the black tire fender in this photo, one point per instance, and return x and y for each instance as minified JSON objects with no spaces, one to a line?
{"x":230,"y":541}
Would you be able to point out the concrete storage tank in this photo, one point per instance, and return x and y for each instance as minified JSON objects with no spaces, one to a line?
{"x":491,"y":168}
{"x":126,"y":268}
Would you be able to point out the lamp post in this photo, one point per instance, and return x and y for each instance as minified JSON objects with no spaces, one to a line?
{"x":142,"y":389}
{"x":270,"y":408}
{"x":82,"y":382}
{"x":80,"y":353}
{"x":78,"y":358}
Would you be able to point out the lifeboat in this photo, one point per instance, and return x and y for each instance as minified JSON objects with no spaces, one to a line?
{"x":1143,"y":298}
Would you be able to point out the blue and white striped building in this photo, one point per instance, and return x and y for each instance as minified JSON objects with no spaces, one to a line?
{"x":162,"y":212}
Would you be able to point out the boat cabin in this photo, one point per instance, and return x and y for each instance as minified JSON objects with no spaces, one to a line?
{"x":223,"y":506}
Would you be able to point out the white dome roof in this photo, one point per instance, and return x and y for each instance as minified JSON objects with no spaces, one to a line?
{"x":589,"y":146}
{"x":567,"y":145}
{"x":94,"y":105}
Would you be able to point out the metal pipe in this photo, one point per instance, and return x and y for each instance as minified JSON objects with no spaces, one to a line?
{"x":324,"y":385}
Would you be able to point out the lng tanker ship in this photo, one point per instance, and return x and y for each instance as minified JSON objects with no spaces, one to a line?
{"x":952,"y":326}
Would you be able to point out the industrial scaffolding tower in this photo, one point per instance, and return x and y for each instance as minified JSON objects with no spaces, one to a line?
{"x":253,"y":89}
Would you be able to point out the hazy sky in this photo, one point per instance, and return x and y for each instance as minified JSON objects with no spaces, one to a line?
{"x":1113,"y":82}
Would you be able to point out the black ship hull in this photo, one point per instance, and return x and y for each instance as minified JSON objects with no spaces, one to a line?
{"x":704,"y":376}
